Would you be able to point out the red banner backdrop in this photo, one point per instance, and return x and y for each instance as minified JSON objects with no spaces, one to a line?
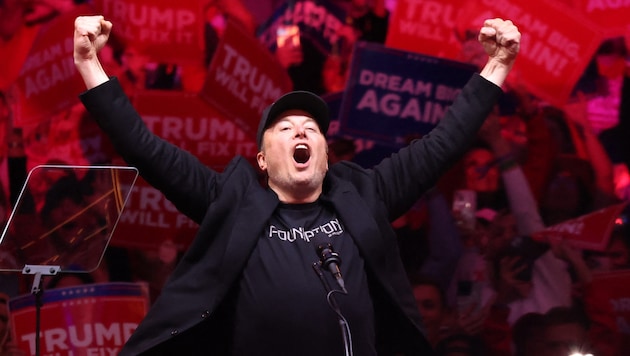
{"x":190,"y":123}
{"x":243,"y":79}
{"x":612,"y":16}
{"x":94,"y":319}
{"x":589,"y":232}
{"x":165,"y":30}
{"x":48,"y":81}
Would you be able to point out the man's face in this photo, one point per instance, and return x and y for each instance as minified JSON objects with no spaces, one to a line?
{"x":294,"y":154}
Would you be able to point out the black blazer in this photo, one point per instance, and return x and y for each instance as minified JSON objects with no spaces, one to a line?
{"x":232,"y":208}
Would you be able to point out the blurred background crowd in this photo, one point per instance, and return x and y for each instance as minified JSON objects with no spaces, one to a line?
{"x":488,"y":275}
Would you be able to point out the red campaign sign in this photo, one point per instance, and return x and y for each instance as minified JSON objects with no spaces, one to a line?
{"x":48,"y":81}
{"x":149,"y":219}
{"x":93,"y":319}
{"x":165,"y":30}
{"x":243,"y":79}
{"x":426,"y":27}
{"x":608,"y":303}
{"x":589,"y":232}
{"x":557,"y":44}
{"x":612,"y":16}
{"x":189,"y":123}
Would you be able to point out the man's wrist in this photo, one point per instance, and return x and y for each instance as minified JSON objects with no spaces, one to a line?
{"x":495,"y":71}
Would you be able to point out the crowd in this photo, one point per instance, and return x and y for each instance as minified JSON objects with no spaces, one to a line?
{"x":483,"y":284}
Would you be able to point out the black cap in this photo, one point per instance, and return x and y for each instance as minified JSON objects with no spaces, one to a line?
{"x":295,"y":100}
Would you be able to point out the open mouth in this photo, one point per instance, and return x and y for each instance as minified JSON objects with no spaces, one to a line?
{"x":301,"y":153}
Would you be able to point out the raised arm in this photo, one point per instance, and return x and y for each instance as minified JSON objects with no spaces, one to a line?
{"x":90,"y":35}
{"x":501,"y":41}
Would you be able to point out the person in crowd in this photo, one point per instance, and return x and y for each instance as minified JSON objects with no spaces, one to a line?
{"x":610,"y":63}
{"x":559,"y":331}
{"x":614,"y":139}
{"x":369,"y":21}
{"x":443,"y":323}
{"x":432,"y":305}
{"x":461,"y":345}
{"x":229,"y":290}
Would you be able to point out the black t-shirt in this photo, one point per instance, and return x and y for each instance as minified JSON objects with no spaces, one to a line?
{"x":281,"y":306}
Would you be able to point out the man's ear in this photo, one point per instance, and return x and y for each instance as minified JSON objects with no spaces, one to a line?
{"x":262,"y":162}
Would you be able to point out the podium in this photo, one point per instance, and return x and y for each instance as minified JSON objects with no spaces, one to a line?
{"x":63,"y":221}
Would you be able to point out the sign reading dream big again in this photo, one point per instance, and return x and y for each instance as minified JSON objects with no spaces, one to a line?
{"x":393,"y":94}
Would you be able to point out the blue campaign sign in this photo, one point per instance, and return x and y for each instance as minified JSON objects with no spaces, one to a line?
{"x":393,"y":96}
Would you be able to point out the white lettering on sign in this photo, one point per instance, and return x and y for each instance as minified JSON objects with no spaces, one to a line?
{"x":144,"y":15}
{"x":245,"y":80}
{"x":97,"y":335}
{"x":429,"y":19}
{"x":395,"y":106}
{"x":574,"y":227}
{"x":149,"y":23}
{"x":395,"y":83}
{"x":48,"y":76}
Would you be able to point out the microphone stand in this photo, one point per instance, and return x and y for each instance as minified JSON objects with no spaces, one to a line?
{"x":343,"y":324}
{"x":37,"y":290}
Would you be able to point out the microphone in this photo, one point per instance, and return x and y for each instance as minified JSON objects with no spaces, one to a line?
{"x":331,"y":261}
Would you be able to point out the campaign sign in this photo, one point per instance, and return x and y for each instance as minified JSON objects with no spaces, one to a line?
{"x":165,"y":30}
{"x":321,"y":22}
{"x":427,"y":27}
{"x":48,"y":81}
{"x":588,"y":232}
{"x":608,"y":305}
{"x":394,"y":95}
{"x":92,"y":319}
{"x":557,"y":43}
{"x":611,"y":15}
{"x":243,"y":79}
{"x":149,"y":219}
{"x":189,"y":122}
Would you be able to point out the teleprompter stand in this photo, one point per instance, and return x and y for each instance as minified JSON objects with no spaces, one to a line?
{"x":62,"y":222}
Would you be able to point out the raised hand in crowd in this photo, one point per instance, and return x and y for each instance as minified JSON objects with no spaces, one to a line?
{"x":594,"y":152}
{"x":471,"y":321}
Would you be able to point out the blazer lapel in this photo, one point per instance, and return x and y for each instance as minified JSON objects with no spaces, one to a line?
{"x":353,"y":213}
